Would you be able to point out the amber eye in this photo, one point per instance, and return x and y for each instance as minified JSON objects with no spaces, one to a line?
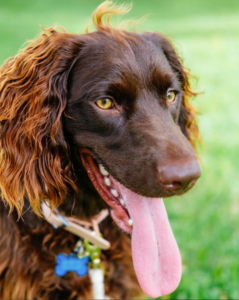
{"x":171,"y":96}
{"x":105,"y":103}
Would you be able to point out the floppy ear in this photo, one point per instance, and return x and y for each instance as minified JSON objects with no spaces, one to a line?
{"x":187,"y":117}
{"x":34,"y":160}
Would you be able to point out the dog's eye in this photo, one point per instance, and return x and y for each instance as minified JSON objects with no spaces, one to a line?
{"x":171,"y":96}
{"x":105,"y":103}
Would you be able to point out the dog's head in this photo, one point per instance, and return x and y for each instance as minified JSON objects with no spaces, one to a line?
{"x":120,"y":99}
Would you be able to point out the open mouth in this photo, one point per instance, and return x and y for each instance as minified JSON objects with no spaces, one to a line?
{"x":106,"y":186}
{"x":156,"y":257}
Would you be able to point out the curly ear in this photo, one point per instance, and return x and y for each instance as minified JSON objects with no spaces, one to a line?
{"x":187,"y":118}
{"x":33,"y":96}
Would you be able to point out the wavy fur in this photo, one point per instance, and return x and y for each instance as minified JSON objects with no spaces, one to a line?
{"x":35,"y":163}
{"x":33,"y":96}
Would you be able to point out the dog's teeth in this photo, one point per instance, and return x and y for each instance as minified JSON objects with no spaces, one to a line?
{"x":122,"y":202}
{"x":107,"y":181}
{"x":103,"y":170}
{"x":114,"y":193}
{"x":130,"y":221}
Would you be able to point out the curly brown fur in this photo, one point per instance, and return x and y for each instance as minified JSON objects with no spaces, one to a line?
{"x":46,"y":117}
{"x":28,"y":252}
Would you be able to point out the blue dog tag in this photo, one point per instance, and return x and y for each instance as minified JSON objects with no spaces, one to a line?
{"x":71,"y":263}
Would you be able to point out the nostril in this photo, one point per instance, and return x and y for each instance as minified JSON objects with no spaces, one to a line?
{"x":177,"y":186}
{"x":173,"y":187}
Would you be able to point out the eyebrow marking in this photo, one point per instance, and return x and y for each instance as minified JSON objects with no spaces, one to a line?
{"x":161,"y":81}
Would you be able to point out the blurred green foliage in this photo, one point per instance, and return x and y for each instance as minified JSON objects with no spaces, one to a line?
{"x":206,"y":34}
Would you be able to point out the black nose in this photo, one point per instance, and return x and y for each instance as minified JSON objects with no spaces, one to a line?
{"x":179,"y":176}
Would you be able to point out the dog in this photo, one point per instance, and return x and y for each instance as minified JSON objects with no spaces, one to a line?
{"x":88,"y":122}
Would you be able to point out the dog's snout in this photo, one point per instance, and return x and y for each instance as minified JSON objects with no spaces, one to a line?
{"x":178,"y":177}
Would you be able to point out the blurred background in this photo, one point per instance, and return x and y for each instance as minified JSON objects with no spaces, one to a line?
{"x":206,"y":34}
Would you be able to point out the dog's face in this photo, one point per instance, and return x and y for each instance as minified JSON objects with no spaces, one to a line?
{"x":124,"y":104}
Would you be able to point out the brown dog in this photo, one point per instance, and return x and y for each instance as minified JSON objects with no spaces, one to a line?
{"x":103,"y":115}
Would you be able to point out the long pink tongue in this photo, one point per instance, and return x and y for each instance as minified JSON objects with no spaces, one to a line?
{"x":156,"y":256}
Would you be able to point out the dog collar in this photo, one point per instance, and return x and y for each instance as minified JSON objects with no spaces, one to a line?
{"x":78,"y":227}
{"x":81,"y":229}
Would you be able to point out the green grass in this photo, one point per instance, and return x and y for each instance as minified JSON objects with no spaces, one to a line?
{"x":206,"y":220}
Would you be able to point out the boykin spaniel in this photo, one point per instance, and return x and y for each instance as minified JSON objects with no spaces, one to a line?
{"x":95,"y":129}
